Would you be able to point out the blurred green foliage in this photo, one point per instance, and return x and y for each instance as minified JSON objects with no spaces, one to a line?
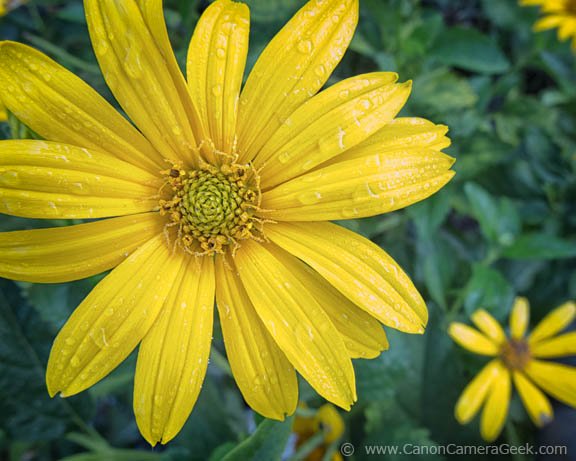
{"x":505,"y":226}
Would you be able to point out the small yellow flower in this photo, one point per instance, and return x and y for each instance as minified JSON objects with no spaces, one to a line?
{"x":560,"y":14}
{"x":327,"y":421}
{"x":221,"y":193}
{"x":518,"y":360}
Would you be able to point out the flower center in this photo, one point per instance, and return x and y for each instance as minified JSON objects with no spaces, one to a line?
{"x":515,"y":354}
{"x":213,"y":206}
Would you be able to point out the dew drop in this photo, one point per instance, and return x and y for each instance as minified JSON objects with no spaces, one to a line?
{"x":310,"y":197}
{"x":305,"y":46}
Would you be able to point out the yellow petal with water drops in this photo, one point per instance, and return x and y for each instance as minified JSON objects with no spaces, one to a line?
{"x":558,"y":346}
{"x":363,"y":335}
{"x":489,"y":325}
{"x":292,"y":68}
{"x":554,"y":322}
{"x":536,"y":403}
{"x":173,"y":356}
{"x":297,"y":322}
{"x":62,"y":254}
{"x":111,"y":321}
{"x":475,"y":393}
{"x":400,"y":134}
{"x":333,"y":121}
{"x":358,"y":268}
{"x":139,"y":77}
{"x":42,"y":179}
{"x":265,"y":377}
{"x":497,"y":403}
{"x":519,"y":318}
{"x":215,"y":68}
{"x":555,"y":379}
{"x":471,"y":339}
{"x":59,"y":106}
{"x":359,"y":188}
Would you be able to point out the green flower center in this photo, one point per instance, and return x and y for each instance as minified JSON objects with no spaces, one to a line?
{"x":213,"y":207}
{"x":515,"y":354}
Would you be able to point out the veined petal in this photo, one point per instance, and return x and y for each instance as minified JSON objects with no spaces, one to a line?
{"x":497,"y":403}
{"x":41,"y":179}
{"x":472,"y":339}
{"x":489,"y":326}
{"x":536,"y":403}
{"x":297,"y":323}
{"x":558,"y":346}
{"x":62,"y":254}
{"x":359,"y":188}
{"x":59,"y":106}
{"x":554,"y":322}
{"x":173,"y":356}
{"x":554,"y":378}
{"x":362,"y":334}
{"x":333,"y":121}
{"x":292,"y":68}
{"x":475,"y":393}
{"x":358,"y":268}
{"x":139,"y":76}
{"x":216,"y":61}
{"x":519,"y":318}
{"x":264,"y":375}
{"x":110,"y":322}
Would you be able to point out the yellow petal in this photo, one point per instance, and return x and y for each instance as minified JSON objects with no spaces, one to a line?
{"x":216,"y":61}
{"x":331,"y":423}
{"x":520,"y":318}
{"x":362,"y":334}
{"x":554,"y":322}
{"x":335,"y":120}
{"x":489,"y":325}
{"x":59,"y":106}
{"x":536,"y":403}
{"x":3,"y":112}
{"x":559,"y":346}
{"x":264,"y":375}
{"x":471,"y":339}
{"x":138,"y":75}
{"x":475,"y":393}
{"x":548,"y":22}
{"x":41,"y":179}
{"x":62,"y":254}
{"x":297,"y":322}
{"x":496,"y":407}
{"x":110,"y":322}
{"x":554,"y":378}
{"x":359,"y":188}
{"x":173,"y":356}
{"x":292,"y":68}
{"x":404,"y":133}
{"x":358,"y":268}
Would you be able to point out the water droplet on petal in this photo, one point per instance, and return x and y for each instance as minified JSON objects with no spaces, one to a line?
{"x":305,"y":46}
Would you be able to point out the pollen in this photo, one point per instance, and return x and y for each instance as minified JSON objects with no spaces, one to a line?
{"x":213,"y":206}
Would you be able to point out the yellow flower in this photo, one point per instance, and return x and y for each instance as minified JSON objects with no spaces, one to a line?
{"x":327,"y":421}
{"x":518,"y":360}
{"x":559,"y":14}
{"x":219,"y":194}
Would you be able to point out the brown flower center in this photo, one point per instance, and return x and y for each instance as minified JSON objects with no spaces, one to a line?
{"x":515,"y":354}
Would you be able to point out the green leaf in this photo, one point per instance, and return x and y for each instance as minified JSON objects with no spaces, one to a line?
{"x":541,"y":246}
{"x":488,"y":289}
{"x":267,"y":442}
{"x":471,"y":50}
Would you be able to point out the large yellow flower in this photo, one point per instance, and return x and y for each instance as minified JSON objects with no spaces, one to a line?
{"x":517,"y":359}
{"x":219,"y":193}
{"x":560,"y":14}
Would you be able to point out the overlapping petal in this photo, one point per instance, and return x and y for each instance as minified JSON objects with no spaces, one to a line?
{"x":62,"y":254}
{"x":471,"y":339}
{"x":554,"y":322}
{"x":173,"y":356}
{"x":556,"y":379}
{"x":536,"y":403}
{"x":215,"y":68}
{"x":264,"y":375}
{"x":475,"y":393}
{"x":60,"y":107}
{"x":358,"y":268}
{"x":112,"y":319}
{"x":292,"y":68}
{"x":497,"y":403}
{"x":297,"y":322}
{"x":41,"y":179}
